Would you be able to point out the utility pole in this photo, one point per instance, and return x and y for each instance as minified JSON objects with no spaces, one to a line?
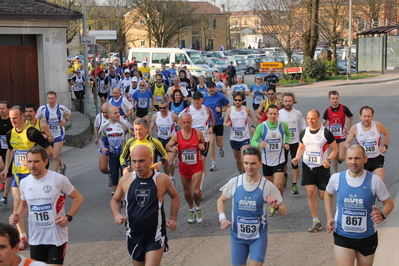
{"x":85,"y":61}
{"x":348,"y":72}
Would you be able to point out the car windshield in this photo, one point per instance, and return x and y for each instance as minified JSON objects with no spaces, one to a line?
{"x":218,"y":61}
{"x":196,"y":58}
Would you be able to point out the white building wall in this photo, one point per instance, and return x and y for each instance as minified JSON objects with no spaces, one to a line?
{"x":51,"y":54}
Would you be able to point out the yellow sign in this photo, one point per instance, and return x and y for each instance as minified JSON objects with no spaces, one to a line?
{"x":271,"y":64}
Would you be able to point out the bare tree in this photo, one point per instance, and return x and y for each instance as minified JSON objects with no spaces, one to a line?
{"x":311,"y":34}
{"x":281,"y":22}
{"x":370,"y":8}
{"x":333,"y":17}
{"x":163,"y":20}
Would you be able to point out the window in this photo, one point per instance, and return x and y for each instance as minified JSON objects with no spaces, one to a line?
{"x":181,"y":57}
{"x":140,"y":56}
{"x":158,"y":58}
{"x":212,"y":24}
{"x":142,"y":43}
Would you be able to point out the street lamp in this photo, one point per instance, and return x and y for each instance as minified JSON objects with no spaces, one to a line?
{"x":348,"y":72}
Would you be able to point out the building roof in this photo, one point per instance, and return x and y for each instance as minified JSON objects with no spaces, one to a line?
{"x":243,"y":13}
{"x":35,"y":9}
{"x":379,"y":30}
{"x":204,"y":8}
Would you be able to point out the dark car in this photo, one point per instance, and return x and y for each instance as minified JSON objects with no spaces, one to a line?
{"x":240,"y":52}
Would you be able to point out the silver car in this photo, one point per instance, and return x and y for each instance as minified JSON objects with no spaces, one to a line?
{"x":214,"y":62}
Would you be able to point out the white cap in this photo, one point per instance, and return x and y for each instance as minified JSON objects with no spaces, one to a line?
{"x":127,"y":70}
{"x":134,"y":79}
{"x":144,"y":62}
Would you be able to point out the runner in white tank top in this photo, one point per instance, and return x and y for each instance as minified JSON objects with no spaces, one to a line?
{"x":237,"y":118}
{"x":368,"y":134}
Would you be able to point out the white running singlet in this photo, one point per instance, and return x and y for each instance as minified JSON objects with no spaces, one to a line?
{"x":370,"y":140}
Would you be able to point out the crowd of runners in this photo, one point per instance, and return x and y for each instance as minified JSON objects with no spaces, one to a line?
{"x":150,"y":125}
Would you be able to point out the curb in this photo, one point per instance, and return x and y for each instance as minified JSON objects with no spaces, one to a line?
{"x":80,"y":132}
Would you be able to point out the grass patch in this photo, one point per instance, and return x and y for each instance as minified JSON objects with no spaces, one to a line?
{"x":68,"y":127}
{"x":354,"y":76}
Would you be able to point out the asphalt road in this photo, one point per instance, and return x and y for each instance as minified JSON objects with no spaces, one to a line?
{"x":96,"y":240}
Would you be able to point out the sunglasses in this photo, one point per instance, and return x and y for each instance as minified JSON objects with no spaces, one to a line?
{"x":159,"y":79}
{"x":162,"y":108}
{"x":237,"y":100}
{"x":251,"y":151}
{"x":259,"y":79}
{"x":270,"y":94}
{"x":142,"y":85}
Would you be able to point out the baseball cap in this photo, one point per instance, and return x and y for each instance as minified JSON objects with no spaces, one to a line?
{"x":198,"y":95}
{"x":144,"y":62}
{"x":134,"y":79}
{"x":127,"y":70}
{"x":210,"y":84}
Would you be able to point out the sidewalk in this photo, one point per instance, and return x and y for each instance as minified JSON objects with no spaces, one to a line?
{"x":389,"y":75}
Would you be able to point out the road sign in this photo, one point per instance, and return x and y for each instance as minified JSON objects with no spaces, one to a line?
{"x":88,"y":40}
{"x":271,"y":64}
{"x":103,"y":34}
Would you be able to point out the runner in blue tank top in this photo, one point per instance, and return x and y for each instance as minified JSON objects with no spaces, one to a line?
{"x":251,"y":193}
{"x":356,"y":216}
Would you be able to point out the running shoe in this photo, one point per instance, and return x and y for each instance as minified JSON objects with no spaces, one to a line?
{"x":191,"y":217}
{"x":213,"y":167}
{"x":23,"y":243}
{"x":3,"y":202}
{"x":339,"y":161}
{"x":112,"y":193}
{"x":63,"y":169}
{"x":221,"y":152}
{"x":2,"y":187}
{"x":294,"y":189}
{"x":285,"y":179}
{"x":173,"y":182}
{"x":272,"y":212}
{"x":198,"y":213}
{"x":316,"y":226}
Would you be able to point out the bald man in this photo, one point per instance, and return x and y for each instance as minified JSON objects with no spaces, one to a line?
{"x":145,"y":190}
{"x":190,"y":142}
{"x":356,"y":190}
{"x":314,"y":143}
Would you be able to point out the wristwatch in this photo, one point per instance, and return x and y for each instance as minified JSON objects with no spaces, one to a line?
{"x":70,"y":218}
{"x":383,"y":215}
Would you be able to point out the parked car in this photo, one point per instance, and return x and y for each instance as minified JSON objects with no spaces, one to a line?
{"x":239,"y":52}
{"x":343,"y":69}
{"x":253,"y":65}
{"x":254,"y":56}
{"x":239,"y":63}
{"x":239,"y":71}
{"x":214,"y":62}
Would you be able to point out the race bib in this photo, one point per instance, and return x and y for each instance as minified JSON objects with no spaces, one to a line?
{"x":248,"y":227}
{"x":238,"y":132}
{"x":312,"y":158}
{"x":293,"y":131}
{"x":19,"y":157}
{"x":370,"y":147}
{"x":145,"y":74}
{"x":189,"y":156}
{"x":273,"y":145}
{"x":3,"y":142}
{"x":258,"y":99}
{"x":163,"y":132}
{"x":354,"y":220}
{"x":200,"y":128}
{"x":336,"y":130}
{"x":53,"y":127}
{"x":142,"y":102}
{"x":42,"y":215}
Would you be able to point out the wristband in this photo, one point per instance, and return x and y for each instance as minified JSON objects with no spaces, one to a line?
{"x":278,"y":207}
{"x":386,"y":146}
{"x":222,"y":216}
{"x":253,"y":126}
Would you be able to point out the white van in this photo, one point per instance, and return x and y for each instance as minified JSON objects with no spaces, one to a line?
{"x":156,"y":56}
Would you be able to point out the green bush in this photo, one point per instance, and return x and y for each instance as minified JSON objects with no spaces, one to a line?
{"x":331,"y":66}
{"x":314,"y":69}
{"x":290,"y":76}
